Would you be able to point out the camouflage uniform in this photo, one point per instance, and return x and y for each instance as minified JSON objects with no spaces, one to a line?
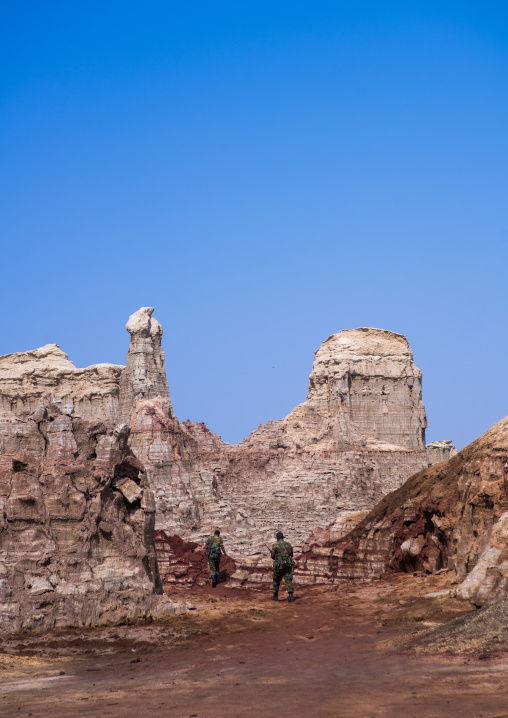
{"x":282,"y":550}
{"x":214,"y":544}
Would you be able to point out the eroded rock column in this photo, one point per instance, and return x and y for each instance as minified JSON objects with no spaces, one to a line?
{"x":144,"y":376}
{"x":155,"y":435}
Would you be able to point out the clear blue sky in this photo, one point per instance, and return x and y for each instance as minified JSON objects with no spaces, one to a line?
{"x":264,"y":175}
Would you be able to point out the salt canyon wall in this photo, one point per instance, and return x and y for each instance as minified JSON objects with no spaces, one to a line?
{"x":359,"y":434}
{"x":451,"y":516}
{"x":76,"y":525}
{"x":76,"y":511}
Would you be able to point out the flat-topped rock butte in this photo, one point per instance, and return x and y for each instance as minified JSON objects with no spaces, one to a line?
{"x":99,"y":453}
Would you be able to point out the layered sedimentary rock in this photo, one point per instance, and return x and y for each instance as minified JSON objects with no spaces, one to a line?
{"x":450,"y":516}
{"x":155,"y":436}
{"x":76,"y":524}
{"x":144,"y":376}
{"x":369,"y":377}
{"x":28,"y":379}
{"x":76,"y":511}
{"x":359,"y":434}
{"x":438,"y":451}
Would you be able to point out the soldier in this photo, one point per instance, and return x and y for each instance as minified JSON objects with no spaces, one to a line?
{"x":282,"y":553}
{"x":214,"y":547}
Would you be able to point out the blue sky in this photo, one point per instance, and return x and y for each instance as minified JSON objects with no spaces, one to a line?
{"x":264,"y":175}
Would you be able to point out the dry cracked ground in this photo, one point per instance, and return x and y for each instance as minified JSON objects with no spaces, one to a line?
{"x":334,"y":652}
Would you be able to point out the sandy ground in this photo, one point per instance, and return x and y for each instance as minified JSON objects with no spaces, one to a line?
{"x":330,"y":653}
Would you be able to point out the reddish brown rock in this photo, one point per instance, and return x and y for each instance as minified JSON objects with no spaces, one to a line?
{"x":185,"y":562}
{"x":74,"y":551}
{"x":450,"y":516}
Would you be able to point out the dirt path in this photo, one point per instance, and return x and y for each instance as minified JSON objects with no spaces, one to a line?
{"x":239,"y":654}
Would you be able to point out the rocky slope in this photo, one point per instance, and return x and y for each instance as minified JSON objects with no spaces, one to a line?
{"x":451,"y":516}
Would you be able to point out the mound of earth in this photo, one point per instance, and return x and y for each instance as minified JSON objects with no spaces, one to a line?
{"x":484,"y":631}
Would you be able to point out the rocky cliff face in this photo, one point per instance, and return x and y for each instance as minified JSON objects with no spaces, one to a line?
{"x":77,"y":513}
{"x":358,"y":435}
{"x":369,"y":376}
{"x":29,"y":379}
{"x":451,"y":516}
{"x":76,"y":524}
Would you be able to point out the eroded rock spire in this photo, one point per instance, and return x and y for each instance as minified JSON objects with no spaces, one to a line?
{"x":144,"y":376}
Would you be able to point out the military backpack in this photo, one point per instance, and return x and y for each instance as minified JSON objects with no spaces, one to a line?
{"x":213,"y":547}
{"x":283,"y":560}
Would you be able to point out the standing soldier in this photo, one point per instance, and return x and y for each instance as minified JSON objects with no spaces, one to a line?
{"x":282,"y":555}
{"x":214,"y":547}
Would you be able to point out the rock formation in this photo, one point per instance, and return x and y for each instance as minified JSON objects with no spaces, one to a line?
{"x":76,"y":524}
{"x":367,"y":377}
{"x":488,"y":580}
{"x":438,"y":451}
{"x":451,"y":516}
{"x":155,"y":437}
{"x":144,"y":377}
{"x":29,"y":378}
{"x":359,"y":434}
{"x":76,"y":511}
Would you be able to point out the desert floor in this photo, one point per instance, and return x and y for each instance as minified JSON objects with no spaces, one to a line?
{"x":334,"y":652}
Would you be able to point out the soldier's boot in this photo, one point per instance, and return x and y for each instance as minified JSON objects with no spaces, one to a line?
{"x":290,"y":598}
{"x":214,"y":581}
{"x":275,"y":597}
